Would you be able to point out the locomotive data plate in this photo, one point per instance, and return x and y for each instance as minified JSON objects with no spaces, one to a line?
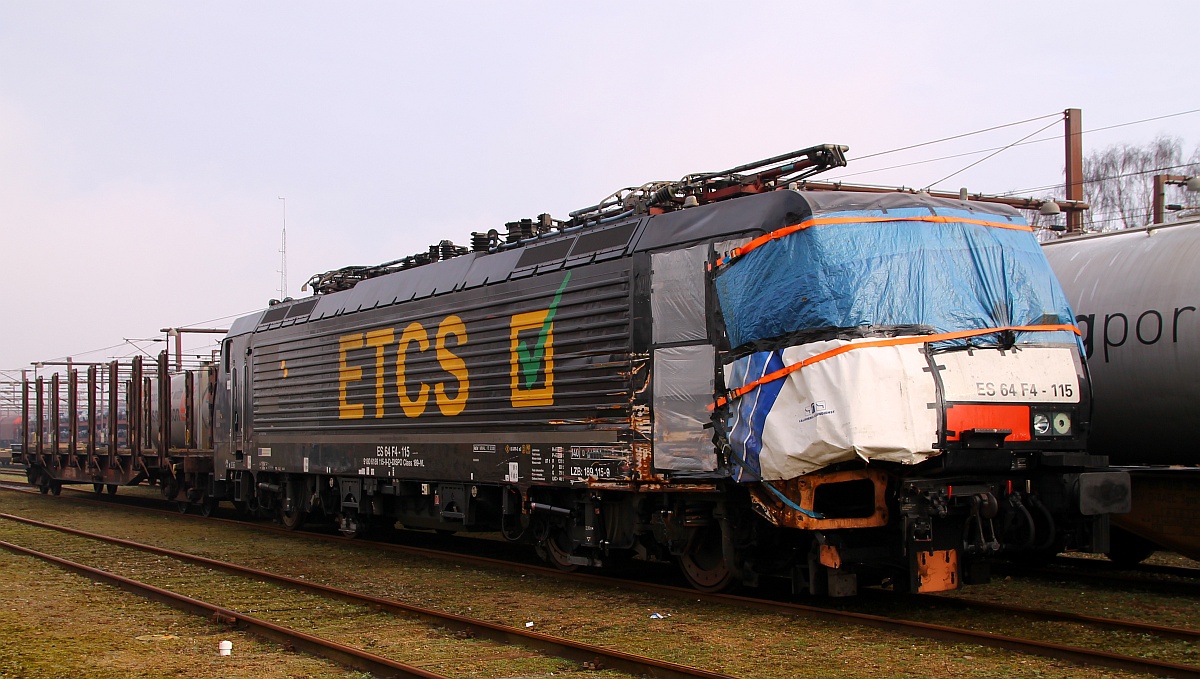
{"x":1028,"y":375}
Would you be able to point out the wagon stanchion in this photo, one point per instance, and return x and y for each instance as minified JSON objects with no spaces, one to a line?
{"x":113,"y":459}
{"x":40,"y":422}
{"x":72,"y":418}
{"x":24,"y":416}
{"x":134,"y":415}
{"x":55,"y":442}
{"x":92,"y":467}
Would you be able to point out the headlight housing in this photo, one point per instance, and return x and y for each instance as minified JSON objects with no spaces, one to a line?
{"x":1062,"y":424}
{"x":1052,"y":423}
{"x":1041,"y":424}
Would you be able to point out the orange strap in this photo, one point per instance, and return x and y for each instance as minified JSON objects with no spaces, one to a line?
{"x":820,"y":221}
{"x":888,"y":342}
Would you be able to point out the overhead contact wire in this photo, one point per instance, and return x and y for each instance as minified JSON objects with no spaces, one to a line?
{"x":992,"y":155}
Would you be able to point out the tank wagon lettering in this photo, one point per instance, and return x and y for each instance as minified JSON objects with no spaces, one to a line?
{"x":1108,"y":341}
{"x":451,"y":398}
{"x":1157,"y":333}
{"x":1175,"y":321}
{"x":1149,"y":328}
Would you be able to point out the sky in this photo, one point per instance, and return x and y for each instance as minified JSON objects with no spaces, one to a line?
{"x":145,"y":146}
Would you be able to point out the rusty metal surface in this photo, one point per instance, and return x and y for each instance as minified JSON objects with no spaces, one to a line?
{"x":132,"y":400}
{"x":1073,"y":138}
{"x":55,"y":430}
{"x":41,"y":421}
{"x":803,"y":490}
{"x":937,"y":571}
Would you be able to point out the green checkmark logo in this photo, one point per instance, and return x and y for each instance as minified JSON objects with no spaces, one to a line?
{"x":530,"y":360}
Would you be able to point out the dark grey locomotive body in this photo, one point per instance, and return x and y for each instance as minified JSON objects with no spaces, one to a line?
{"x":455,"y":381}
{"x":561,"y":391}
{"x":427,"y":391}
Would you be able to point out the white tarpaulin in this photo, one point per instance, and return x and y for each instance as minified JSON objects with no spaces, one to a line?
{"x":874,"y":402}
{"x":877,"y":403}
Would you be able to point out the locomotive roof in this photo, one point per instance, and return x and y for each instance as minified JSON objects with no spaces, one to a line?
{"x":747,"y":215}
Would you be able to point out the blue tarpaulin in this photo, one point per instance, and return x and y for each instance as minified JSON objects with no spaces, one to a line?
{"x":947,"y":275}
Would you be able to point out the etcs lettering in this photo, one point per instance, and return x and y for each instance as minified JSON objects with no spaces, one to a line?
{"x":451,"y":398}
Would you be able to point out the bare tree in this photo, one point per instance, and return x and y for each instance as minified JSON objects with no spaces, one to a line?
{"x":1119,"y":181}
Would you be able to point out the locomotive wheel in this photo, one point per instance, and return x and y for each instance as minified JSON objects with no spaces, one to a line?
{"x":207,"y":506}
{"x":111,"y":488}
{"x":182,"y":506}
{"x":703,"y":563}
{"x":291,"y":520}
{"x":55,"y":488}
{"x":351,"y":525}
{"x":169,"y":489}
{"x":556,"y":551}
{"x":44,"y":487}
{"x":98,"y":488}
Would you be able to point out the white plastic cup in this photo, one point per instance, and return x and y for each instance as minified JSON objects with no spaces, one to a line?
{"x":225,"y":648}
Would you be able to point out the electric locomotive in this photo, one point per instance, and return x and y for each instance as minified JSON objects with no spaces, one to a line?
{"x":729,"y":371}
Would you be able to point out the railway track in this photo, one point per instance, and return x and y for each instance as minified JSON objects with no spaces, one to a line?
{"x":1104,"y":566}
{"x":909,"y":627}
{"x":589,"y":655}
{"x":1173,"y":579}
{"x":1062,"y":616}
{"x":1061,"y":567}
{"x":286,"y":636}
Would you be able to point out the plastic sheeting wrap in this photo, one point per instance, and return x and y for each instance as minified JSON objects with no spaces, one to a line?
{"x":871,"y":403}
{"x":683,"y":387}
{"x":677,"y":295}
{"x":924,"y":264}
{"x":949,"y":275}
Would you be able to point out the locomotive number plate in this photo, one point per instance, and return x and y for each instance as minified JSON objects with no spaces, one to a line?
{"x":1029,"y":375}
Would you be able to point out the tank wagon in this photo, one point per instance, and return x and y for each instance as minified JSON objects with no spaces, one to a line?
{"x":727,"y":371}
{"x":10,"y":429}
{"x":1136,"y":293}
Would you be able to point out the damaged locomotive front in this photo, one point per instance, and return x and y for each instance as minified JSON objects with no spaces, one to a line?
{"x":906,"y":384}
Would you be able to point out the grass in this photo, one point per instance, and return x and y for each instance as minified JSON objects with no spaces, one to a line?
{"x":54,"y":624}
{"x":740,"y":642}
